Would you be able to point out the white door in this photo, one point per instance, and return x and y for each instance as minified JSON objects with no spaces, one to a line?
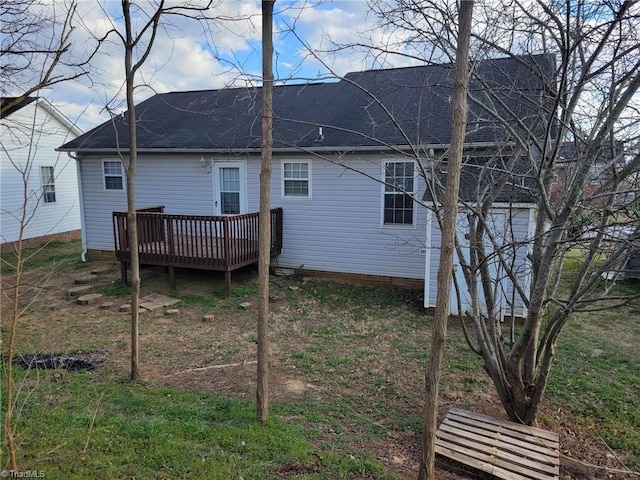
{"x":496,"y":223}
{"x":462,"y":232}
{"x":230,"y":193}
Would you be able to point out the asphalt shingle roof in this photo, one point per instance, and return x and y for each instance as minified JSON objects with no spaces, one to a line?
{"x":374,"y":108}
{"x":14,"y":108}
{"x":500,"y":178}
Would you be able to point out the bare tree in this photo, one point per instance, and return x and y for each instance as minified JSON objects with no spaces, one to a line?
{"x":262,"y":391}
{"x":589,"y":115}
{"x":36,"y":52}
{"x":19,"y":147}
{"x":445,"y":268}
{"x":573,"y":160}
{"x":137,"y":46}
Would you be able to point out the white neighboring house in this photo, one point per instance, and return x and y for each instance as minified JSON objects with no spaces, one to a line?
{"x":39,"y":186}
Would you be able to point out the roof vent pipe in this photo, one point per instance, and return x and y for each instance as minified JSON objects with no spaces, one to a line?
{"x":320,"y":136}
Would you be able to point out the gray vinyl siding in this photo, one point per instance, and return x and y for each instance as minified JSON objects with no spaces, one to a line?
{"x":16,"y":132}
{"x":337,"y":230}
{"x":178,"y":183}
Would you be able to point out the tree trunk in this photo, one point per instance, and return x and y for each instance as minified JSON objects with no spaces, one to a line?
{"x":13,"y":327}
{"x":445,"y":268}
{"x":264,"y":221}
{"x":132,"y":222}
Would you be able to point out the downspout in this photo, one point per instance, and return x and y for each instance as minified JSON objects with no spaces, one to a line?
{"x":83,"y":230}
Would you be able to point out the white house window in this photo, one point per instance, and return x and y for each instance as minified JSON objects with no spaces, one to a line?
{"x":113,"y":179}
{"x":399,"y":184}
{"x":48,"y":185}
{"x":230,"y":190}
{"x":597,"y":174}
{"x":296,"y":179}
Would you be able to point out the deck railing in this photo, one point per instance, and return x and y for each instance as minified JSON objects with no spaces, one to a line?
{"x":195,"y":241}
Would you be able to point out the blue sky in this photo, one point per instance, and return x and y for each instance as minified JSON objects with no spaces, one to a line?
{"x":188,"y":55}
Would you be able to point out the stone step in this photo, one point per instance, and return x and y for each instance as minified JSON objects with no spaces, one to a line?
{"x":79,"y":290}
{"x":89,"y":299}
{"x":84,"y":279}
{"x":101,"y":269}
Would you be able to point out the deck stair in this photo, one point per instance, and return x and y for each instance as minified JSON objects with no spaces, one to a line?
{"x":504,"y":449}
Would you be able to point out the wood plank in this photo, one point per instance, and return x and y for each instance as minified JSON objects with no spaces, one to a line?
{"x":484,"y":466}
{"x":522,"y":450}
{"x":527,"y":437}
{"x":496,"y":451}
{"x":504,"y":449}
{"x":474,"y":455}
{"x":544,"y":449}
{"x":537,"y":432}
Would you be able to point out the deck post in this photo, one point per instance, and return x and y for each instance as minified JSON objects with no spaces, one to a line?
{"x":172,"y":278}
{"x":227,"y":255}
{"x":123,"y":273}
{"x":227,"y":282}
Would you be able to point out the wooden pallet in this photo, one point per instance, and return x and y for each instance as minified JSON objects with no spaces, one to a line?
{"x":504,"y":449}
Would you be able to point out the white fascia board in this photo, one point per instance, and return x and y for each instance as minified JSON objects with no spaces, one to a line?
{"x":58,"y":115}
{"x":331,"y":149}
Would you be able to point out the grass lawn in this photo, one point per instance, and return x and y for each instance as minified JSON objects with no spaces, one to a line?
{"x":347,"y":373}
{"x":54,"y":256}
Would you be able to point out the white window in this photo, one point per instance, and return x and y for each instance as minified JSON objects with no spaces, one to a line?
{"x":399,"y":187}
{"x":230,"y":190}
{"x":48,"y":184}
{"x":597,"y":174}
{"x":296,"y":179}
{"x":113,"y":177}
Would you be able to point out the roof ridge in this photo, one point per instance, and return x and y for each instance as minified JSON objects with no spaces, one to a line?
{"x":254,"y":87}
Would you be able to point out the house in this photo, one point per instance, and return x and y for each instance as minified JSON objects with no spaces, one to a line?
{"x":571,"y":156}
{"x":30,"y":131}
{"x":349,"y":164}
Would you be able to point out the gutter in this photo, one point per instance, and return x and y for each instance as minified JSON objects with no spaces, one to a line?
{"x":83,"y":230}
{"x":310,"y":149}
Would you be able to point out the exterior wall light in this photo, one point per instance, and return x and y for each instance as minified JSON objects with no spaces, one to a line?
{"x":206,"y":166}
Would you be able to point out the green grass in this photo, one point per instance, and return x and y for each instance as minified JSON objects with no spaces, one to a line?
{"x":116,"y":289}
{"x":246,"y":290}
{"x":218,"y":297}
{"x":362,"y":349}
{"x":82,"y":428}
{"x":596,"y":374}
{"x":59,"y":256}
{"x":597,"y":377}
{"x":354,"y":295}
{"x":191,"y":300}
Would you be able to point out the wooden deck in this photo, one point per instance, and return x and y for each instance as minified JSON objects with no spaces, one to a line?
{"x":222,"y":243}
{"x":504,"y":449}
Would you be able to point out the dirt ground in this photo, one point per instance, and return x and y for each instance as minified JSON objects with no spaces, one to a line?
{"x":181,"y":350}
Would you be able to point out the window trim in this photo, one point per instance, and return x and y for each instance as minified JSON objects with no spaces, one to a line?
{"x":283,"y":179}
{"x":105,"y":175}
{"x":384,"y":194}
{"x":51,"y":183}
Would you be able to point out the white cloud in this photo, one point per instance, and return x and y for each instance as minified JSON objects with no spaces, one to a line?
{"x":188,"y":55}
{"x":331,"y":24}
